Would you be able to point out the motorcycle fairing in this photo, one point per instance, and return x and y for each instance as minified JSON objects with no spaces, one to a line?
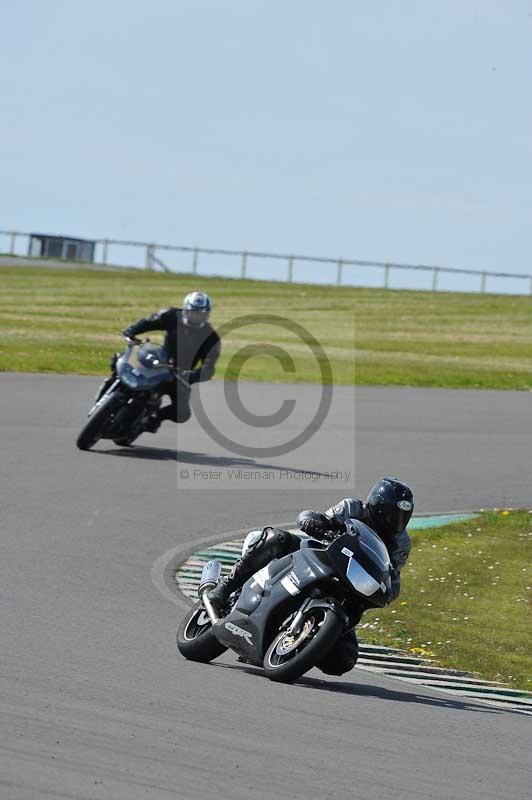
{"x":267,"y":599}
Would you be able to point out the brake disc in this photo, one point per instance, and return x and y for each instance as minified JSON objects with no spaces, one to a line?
{"x":289,"y":642}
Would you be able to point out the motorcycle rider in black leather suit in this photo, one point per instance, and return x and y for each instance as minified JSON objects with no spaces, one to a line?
{"x":387,"y":510}
{"x":193,"y":346}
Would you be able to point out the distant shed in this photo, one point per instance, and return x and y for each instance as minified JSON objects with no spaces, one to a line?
{"x":41,"y":244}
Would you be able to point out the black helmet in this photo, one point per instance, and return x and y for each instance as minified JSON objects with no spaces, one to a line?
{"x":390,"y":504}
{"x":196,"y":309}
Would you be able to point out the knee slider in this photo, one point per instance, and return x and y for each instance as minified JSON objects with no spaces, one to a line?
{"x":252,"y":541}
{"x":280,"y":542}
{"x":271,"y":541}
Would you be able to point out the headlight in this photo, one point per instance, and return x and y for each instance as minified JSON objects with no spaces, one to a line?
{"x":361,"y":580}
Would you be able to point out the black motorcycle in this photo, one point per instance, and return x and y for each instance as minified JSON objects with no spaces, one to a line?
{"x":123,"y":409}
{"x":288,"y":616}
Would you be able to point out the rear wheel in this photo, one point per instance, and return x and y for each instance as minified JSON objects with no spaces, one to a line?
{"x":95,"y":427}
{"x":195,"y":639}
{"x":291,"y":655}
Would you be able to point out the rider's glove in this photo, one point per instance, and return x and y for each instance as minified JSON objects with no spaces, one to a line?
{"x":314,"y":523}
{"x":129,"y":338}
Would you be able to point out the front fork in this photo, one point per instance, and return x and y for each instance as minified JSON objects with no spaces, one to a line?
{"x":100,"y":398}
{"x":312,"y":602}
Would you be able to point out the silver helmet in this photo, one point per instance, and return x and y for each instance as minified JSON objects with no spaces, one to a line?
{"x":196,"y":309}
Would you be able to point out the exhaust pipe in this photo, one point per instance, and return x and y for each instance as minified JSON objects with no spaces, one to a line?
{"x":210,"y":576}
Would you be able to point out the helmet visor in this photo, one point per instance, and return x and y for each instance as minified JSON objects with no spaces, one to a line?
{"x":395,"y":520}
{"x":195,"y":316}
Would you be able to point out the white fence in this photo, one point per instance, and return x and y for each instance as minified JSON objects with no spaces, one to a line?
{"x":289,"y":267}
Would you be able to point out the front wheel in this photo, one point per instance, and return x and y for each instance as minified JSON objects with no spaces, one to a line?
{"x":195,"y":639}
{"x":291,"y":655}
{"x":94,"y":429}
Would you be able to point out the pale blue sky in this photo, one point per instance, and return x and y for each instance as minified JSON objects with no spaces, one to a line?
{"x":389,"y":129}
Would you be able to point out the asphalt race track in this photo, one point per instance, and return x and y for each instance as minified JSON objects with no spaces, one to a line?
{"x":95,"y":702}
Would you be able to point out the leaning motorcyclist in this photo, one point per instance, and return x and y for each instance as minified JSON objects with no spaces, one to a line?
{"x":193,"y":347}
{"x":387,"y":510}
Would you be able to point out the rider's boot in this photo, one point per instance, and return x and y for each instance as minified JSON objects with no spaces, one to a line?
{"x":243,"y":569}
{"x":153,"y":423}
{"x":104,"y":387}
{"x":108,"y":382}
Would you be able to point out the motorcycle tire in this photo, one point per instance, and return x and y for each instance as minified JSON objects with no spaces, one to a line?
{"x":93,"y":430}
{"x":195,"y":639}
{"x":289,"y":657}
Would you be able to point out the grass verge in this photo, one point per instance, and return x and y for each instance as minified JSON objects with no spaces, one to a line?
{"x":62,"y":320}
{"x":466,"y":598}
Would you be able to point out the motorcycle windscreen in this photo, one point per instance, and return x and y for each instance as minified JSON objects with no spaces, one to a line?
{"x":144,"y":367}
{"x":373,"y":546}
{"x":150,"y":356}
